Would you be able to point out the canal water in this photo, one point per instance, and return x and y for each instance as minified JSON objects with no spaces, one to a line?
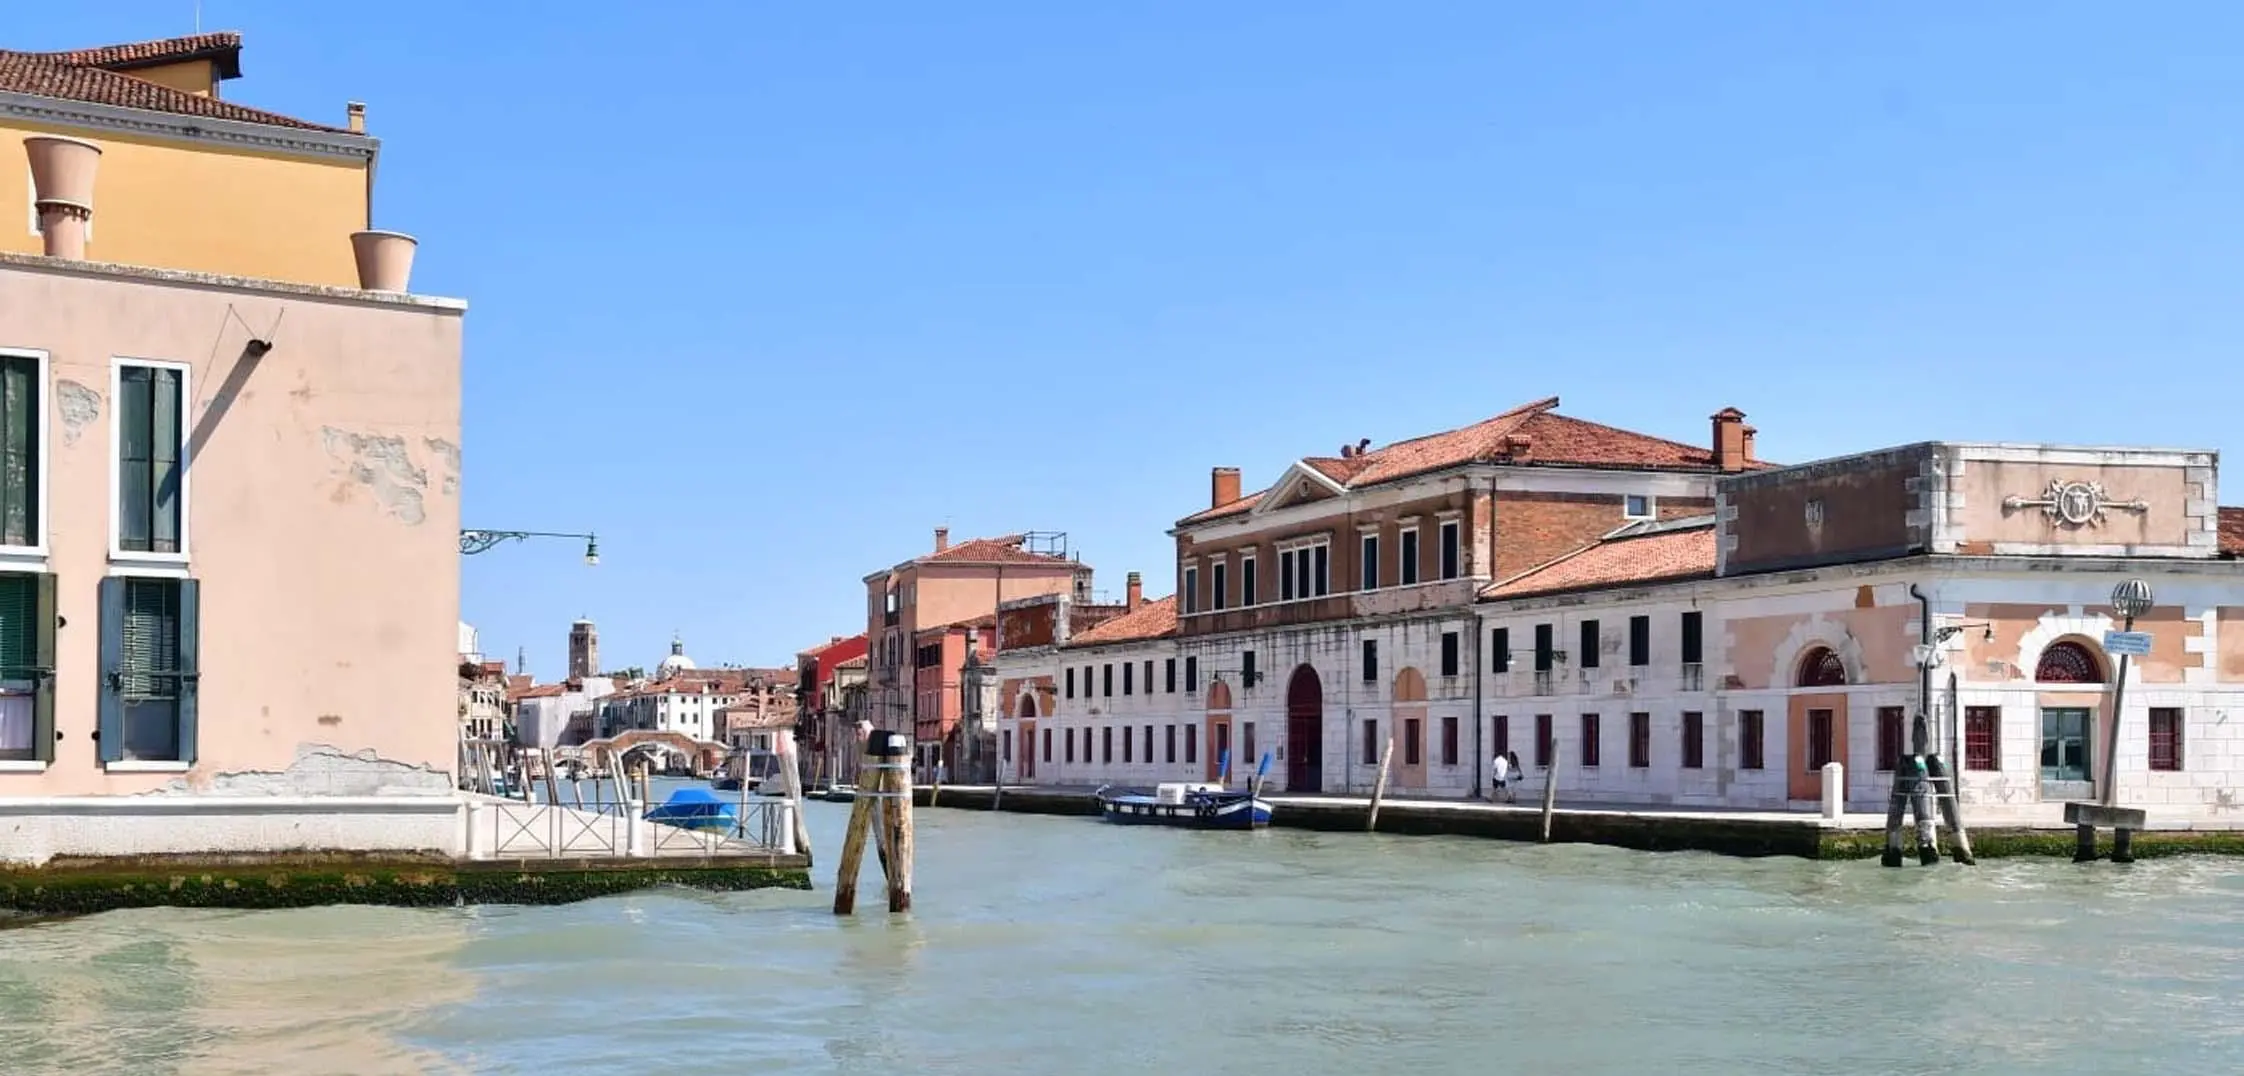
{"x":1059,"y":945}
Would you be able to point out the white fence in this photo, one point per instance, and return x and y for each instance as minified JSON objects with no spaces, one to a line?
{"x":511,"y":829}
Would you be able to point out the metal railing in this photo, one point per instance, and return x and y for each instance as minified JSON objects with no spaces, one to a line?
{"x":511,"y":829}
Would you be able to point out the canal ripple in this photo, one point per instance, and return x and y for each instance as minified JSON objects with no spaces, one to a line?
{"x":1058,"y":945}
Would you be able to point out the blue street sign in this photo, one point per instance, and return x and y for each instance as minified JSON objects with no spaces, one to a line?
{"x":2132,"y":643}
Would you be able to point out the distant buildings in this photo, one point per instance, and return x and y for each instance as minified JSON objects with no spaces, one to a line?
{"x":1648,"y":621}
{"x":914,"y":655}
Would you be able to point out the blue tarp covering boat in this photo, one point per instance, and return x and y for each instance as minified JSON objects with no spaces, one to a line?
{"x":697,"y":808}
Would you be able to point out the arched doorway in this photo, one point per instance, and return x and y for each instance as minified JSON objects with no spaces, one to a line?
{"x":1023,"y":765}
{"x":1218,"y":732}
{"x":1408,"y":729}
{"x":1816,"y":722}
{"x":2070,"y":712}
{"x":1305,"y":731}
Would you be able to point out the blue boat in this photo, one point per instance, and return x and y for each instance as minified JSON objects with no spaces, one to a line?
{"x":1186,"y":806}
{"x":697,"y":808}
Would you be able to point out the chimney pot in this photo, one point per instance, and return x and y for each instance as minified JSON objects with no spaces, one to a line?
{"x":1133,"y":591}
{"x":385,"y":259}
{"x":1223,"y":486}
{"x":1748,"y":433}
{"x":1729,"y":440}
{"x":355,"y":111}
{"x":62,"y":190}
{"x":942,"y":539}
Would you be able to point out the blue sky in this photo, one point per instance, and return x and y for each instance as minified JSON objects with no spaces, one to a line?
{"x":764,"y":292}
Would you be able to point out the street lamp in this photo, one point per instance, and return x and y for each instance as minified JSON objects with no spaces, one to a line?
{"x":478,"y":541}
{"x":2130,"y":599}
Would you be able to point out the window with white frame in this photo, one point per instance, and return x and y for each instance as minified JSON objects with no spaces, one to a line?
{"x":1637,"y":506}
{"x":23,"y":455}
{"x":1219,"y":579}
{"x":1305,"y":569}
{"x":1246,"y":580}
{"x":1191,"y":589}
{"x":1449,"y":550}
{"x":1370,"y":561}
{"x":1409,"y":565}
{"x":149,"y":437}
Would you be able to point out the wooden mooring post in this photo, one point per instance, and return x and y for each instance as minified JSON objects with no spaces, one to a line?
{"x":1550,"y":785}
{"x":1379,"y":786}
{"x":792,"y":780}
{"x":883,"y":812}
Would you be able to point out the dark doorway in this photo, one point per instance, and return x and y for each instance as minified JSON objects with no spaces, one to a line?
{"x":1305,"y":732}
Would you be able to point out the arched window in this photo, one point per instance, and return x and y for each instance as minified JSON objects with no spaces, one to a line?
{"x":1822,"y":668}
{"x":2068,"y":663}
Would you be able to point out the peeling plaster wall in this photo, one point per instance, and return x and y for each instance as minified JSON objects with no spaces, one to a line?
{"x":322,"y":516}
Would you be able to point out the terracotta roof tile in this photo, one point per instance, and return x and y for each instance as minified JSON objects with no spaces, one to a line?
{"x":1531,"y":434}
{"x":150,"y":53}
{"x":1153,"y":620}
{"x":86,"y":75}
{"x":1667,"y":554}
{"x":1005,"y":550}
{"x":2232,"y":532}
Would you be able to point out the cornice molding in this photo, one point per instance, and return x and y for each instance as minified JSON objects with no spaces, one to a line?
{"x":58,"y":112}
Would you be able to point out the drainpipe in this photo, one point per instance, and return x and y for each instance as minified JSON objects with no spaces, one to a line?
{"x":1920,"y":731}
{"x":1480,"y":741}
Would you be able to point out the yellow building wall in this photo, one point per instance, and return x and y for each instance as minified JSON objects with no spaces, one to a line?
{"x":198,"y":77}
{"x":204,"y":207}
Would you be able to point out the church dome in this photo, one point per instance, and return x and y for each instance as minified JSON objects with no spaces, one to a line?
{"x":677,"y":661}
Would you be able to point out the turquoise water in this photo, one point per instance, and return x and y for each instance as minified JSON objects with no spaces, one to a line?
{"x":1060,"y":945}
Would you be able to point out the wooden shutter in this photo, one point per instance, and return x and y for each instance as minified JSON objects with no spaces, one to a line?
{"x":190,"y":663}
{"x":43,"y":643}
{"x":110,"y":724}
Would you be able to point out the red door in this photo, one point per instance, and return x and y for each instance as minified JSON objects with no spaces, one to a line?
{"x":1305,"y":732}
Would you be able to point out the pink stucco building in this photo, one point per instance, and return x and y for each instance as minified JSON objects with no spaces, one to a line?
{"x":229,"y":578}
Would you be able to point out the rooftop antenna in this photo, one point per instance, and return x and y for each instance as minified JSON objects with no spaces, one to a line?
{"x":521,"y":659}
{"x":198,"y":16}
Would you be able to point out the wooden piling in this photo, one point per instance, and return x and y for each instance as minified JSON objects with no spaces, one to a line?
{"x":792,"y":780}
{"x":1951,"y":809}
{"x":900,"y":860}
{"x":1550,"y":787}
{"x":1379,"y":786}
{"x":853,"y":844}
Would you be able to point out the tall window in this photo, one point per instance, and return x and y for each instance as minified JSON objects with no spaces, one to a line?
{"x":1371,"y":661}
{"x":1370,"y":562}
{"x":1449,"y":549}
{"x":1412,"y":749}
{"x":1449,"y":653}
{"x":1640,"y":741}
{"x":1169,"y":675}
{"x":1545,"y":651}
{"x":1639,"y":641}
{"x":1148,"y":681}
{"x":1289,"y":586}
{"x":1503,"y":734}
{"x":150,"y":649}
{"x":1588,"y":657}
{"x":1889,"y":738}
{"x":1106,"y":680}
{"x":21,"y":380}
{"x":1694,"y":740}
{"x":1192,"y":590}
{"x":1047,"y":744}
{"x":1371,"y":741}
{"x":1106,"y":744}
{"x":1820,"y":736}
{"x":1589,"y":741}
{"x":1125,"y":743}
{"x":151,"y":466}
{"x":1191,"y":673}
{"x":1170,"y":749}
{"x":1321,"y":564}
{"x":1246,"y":741}
{"x":1246,"y":670}
{"x":1409,"y":565}
{"x":1071,"y":682}
{"x":1694,"y":638}
{"x":1982,"y":737}
{"x":2166,"y":738}
{"x":1071,"y":743}
{"x":1543,"y":742}
{"x":27,"y":659}
{"x":1149,"y":743}
{"x":1500,"y":649}
{"x":1219,"y":585}
{"x":1449,"y":741}
{"x":1750,"y":741}
{"x":1191,"y":744}
{"x":1129,"y":681}
{"x":1246,"y":580}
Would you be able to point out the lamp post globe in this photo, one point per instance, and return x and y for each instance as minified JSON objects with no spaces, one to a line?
{"x":2132,"y":598}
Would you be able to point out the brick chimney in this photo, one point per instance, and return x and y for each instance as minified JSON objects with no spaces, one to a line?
{"x":1749,"y":456}
{"x":1223,"y":486}
{"x":942,"y":539}
{"x":1729,"y":440}
{"x":1133,"y":591}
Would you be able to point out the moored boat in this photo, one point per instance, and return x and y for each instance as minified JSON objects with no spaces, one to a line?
{"x":839,"y":794}
{"x":1186,"y":806}
{"x":696,"y":808}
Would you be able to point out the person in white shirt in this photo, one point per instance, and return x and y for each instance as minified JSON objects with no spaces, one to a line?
{"x":1501,"y":771}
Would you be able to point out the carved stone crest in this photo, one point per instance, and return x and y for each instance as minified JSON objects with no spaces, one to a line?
{"x":2074,"y":504}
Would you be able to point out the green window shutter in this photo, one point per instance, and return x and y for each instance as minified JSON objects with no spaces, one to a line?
{"x":19,"y":460}
{"x":110,"y":727}
{"x":43,"y":643}
{"x":190,"y":663}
